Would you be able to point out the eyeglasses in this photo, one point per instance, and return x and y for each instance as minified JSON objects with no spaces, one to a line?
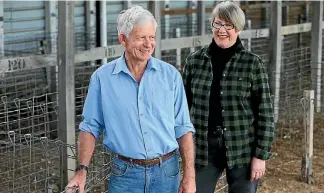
{"x":227,"y":26}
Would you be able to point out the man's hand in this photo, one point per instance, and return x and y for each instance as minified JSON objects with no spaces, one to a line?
{"x":257,"y":168}
{"x":187,"y":185}
{"x":77,"y":182}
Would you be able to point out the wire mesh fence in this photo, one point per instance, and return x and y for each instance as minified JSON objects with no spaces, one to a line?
{"x":36,"y":115}
{"x":32,"y":164}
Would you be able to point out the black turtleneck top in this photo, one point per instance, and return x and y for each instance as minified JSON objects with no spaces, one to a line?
{"x":219,"y":58}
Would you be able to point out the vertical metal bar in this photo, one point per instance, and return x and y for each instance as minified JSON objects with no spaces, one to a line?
{"x":44,"y":141}
{"x":51,"y":47}
{"x":91,"y":25}
{"x":42,"y":114}
{"x":249,"y":40}
{"x":285,"y":15}
{"x":300,"y":37}
{"x":50,"y":26}
{"x":316,"y":50}
{"x":31,"y":107}
{"x":34,"y":113}
{"x":103,"y":27}
{"x":51,"y":72}
{"x":155,"y":8}
{"x":12,"y":137}
{"x":4,"y":100}
{"x":1,"y":30}
{"x":18,"y":106}
{"x":178,"y":51}
{"x":193,"y":6}
{"x":46,"y":117}
{"x":275,"y":53}
{"x":28,"y":141}
{"x":307,"y":11}
{"x":166,"y":19}
{"x":264,"y":17}
{"x":201,"y":13}
{"x":188,"y":16}
{"x":66,"y":84}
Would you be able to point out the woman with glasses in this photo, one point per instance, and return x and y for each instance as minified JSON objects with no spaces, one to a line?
{"x":229,"y":98}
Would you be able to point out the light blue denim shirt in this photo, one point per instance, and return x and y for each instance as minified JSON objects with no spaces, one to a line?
{"x":139,"y":120}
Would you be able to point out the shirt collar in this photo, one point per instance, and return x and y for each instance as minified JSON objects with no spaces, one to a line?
{"x":121,"y":65}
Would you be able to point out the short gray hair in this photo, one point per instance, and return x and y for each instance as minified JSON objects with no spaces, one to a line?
{"x":229,"y":12}
{"x":133,"y":16}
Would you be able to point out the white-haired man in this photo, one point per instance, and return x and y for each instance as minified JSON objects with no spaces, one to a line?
{"x":140,"y":104}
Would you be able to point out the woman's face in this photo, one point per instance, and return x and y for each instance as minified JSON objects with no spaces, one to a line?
{"x":224,"y":33}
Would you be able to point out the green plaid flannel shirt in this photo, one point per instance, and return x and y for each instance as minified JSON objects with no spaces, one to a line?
{"x":246,"y":106}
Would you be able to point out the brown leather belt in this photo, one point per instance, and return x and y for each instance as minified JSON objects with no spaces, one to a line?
{"x":147,"y":162}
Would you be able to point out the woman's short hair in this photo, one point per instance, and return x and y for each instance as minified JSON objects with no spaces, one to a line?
{"x":229,"y":12}
{"x":133,"y":16}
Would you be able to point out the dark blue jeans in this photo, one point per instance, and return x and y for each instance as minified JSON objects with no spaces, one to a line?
{"x":238,"y":179}
{"x":131,"y":178}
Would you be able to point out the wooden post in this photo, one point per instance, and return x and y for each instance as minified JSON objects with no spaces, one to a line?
{"x":66,"y":86}
{"x":306,"y":168}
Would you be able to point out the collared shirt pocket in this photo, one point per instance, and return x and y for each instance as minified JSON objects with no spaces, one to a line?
{"x":243,"y":87}
{"x":163,"y":102}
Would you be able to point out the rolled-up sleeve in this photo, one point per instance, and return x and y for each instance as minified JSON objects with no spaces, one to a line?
{"x":183,"y":124}
{"x":92,"y":111}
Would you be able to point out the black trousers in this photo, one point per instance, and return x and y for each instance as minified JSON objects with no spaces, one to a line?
{"x":238,"y":179}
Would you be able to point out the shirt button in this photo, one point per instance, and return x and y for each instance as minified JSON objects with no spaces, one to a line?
{"x":141,"y":114}
{"x":225,"y":129}
{"x":221,"y":92}
{"x":145,"y":132}
{"x":223,"y":111}
{"x":140,"y":97}
{"x":224,"y":74}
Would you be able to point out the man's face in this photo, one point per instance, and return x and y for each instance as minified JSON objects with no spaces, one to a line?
{"x":224,"y":33}
{"x":141,"y":41}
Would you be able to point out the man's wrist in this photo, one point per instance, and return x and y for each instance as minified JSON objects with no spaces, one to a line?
{"x":189,"y":172}
{"x":81,"y":168}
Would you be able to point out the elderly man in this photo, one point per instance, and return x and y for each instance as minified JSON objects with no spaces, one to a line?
{"x":140,"y":105}
{"x":228,"y":92}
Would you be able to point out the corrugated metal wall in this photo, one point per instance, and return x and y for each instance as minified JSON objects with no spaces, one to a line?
{"x":24,"y":27}
{"x":113,"y":9}
{"x":80,"y":25}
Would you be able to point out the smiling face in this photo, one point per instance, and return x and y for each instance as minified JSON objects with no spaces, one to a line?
{"x":140,"y":43}
{"x":224,"y":33}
